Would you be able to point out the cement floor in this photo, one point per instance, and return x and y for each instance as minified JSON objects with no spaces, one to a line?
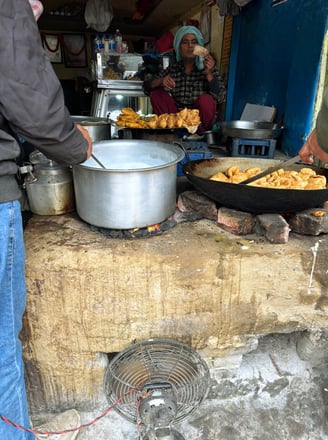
{"x":271,"y":395}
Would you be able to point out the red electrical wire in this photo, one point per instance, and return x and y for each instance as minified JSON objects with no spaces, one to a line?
{"x":78,"y":428}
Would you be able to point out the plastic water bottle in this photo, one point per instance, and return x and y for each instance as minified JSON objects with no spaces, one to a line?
{"x":96,"y":44}
{"x":118,"y":41}
{"x":111,"y":43}
{"x":98,"y":56}
{"x":102,"y":44}
{"x":106,"y":44}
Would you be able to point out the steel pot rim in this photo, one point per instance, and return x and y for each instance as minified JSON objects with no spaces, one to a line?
{"x":89,"y":121}
{"x":107,"y":144}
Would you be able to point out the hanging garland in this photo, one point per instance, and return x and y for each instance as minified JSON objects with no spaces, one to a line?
{"x":69,"y":50}
{"x":50,"y":49}
{"x":61,"y":40}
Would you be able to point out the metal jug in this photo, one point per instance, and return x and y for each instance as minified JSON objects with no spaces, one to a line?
{"x":49,"y":188}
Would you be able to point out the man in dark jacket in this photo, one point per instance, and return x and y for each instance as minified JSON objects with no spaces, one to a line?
{"x":31,"y":106}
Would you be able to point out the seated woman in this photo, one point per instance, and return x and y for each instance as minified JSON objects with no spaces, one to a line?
{"x":193,"y":81}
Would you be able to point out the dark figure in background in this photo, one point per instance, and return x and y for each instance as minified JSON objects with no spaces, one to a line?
{"x":31,"y":107}
{"x":317,"y":143}
{"x":191,"y":82}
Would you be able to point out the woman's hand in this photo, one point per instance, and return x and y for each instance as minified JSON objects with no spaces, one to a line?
{"x":312,"y":148}
{"x":209,"y":64}
{"x":168,"y":82}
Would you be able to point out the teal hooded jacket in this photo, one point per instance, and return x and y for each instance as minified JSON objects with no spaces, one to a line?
{"x":177,"y":40}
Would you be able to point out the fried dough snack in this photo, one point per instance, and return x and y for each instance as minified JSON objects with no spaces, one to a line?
{"x":111,"y":74}
{"x":188,"y":118}
{"x":306,"y":178}
{"x":200,"y":51}
{"x":129,"y":118}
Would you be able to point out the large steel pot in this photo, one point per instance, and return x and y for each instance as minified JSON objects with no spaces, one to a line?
{"x":137,"y":188}
{"x":250,"y":130}
{"x":251,"y":198}
{"x":99,"y":129}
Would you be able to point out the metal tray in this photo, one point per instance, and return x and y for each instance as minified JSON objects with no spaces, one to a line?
{"x":160,"y":134}
{"x":120,"y":84}
{"x":151,"y":130}
{"x":250,"y":130}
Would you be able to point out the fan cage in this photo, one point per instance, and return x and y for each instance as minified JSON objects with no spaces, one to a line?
{"x":156,"y":361}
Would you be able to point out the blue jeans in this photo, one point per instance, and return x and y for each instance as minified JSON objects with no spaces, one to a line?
{"x":13,"y":402}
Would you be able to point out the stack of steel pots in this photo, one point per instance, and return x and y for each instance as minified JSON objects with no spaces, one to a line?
{"x":99,"y":129}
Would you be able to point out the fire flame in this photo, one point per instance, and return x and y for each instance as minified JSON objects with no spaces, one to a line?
{"x":154,"y":228}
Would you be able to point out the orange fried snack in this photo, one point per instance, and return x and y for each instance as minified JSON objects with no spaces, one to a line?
{"x":306,"y":178}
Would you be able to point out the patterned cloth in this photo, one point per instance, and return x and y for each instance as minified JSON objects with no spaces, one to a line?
{"x":37,"y":8}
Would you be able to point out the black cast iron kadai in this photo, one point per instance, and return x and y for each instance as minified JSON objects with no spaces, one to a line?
{"x":252,"y":198}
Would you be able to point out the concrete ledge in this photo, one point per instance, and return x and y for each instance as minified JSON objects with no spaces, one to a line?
{"x":89,"y":295}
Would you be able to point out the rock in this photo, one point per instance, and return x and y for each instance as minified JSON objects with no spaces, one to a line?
{"x":186,"y":216}
{"x":195,"y":201}
{"x":274,"y":227}
{"x":236,"y":222}
{"x":310,"y":222}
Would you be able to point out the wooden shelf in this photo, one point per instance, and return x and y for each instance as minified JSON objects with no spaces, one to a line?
{"x":62,"y":23}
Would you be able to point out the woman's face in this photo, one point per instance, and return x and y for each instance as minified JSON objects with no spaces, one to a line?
{"x":187,"y":44}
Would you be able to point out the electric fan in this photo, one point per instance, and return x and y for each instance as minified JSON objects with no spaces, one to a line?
{"x":156,"y":384}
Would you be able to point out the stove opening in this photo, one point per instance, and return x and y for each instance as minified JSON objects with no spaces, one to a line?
{"x":147,"y":231}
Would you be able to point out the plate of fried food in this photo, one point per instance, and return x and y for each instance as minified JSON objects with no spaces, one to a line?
{"x":186,"y":118}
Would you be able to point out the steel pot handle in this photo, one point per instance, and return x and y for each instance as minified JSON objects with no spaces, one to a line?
{"x":183,"y":149}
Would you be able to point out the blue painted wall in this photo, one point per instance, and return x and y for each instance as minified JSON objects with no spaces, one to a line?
{"x":275,"y":60}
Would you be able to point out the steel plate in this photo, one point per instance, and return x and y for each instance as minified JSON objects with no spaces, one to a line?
{"x":250,"y":130}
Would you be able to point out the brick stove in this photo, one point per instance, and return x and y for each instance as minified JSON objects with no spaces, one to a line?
{"x":151,"y":230}
{"x":274,"y":227}
{"x":89,"y":296}
{"x":193,"y":206}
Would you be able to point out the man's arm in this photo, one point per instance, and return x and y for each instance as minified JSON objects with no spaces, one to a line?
{"x":31,"y":97}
